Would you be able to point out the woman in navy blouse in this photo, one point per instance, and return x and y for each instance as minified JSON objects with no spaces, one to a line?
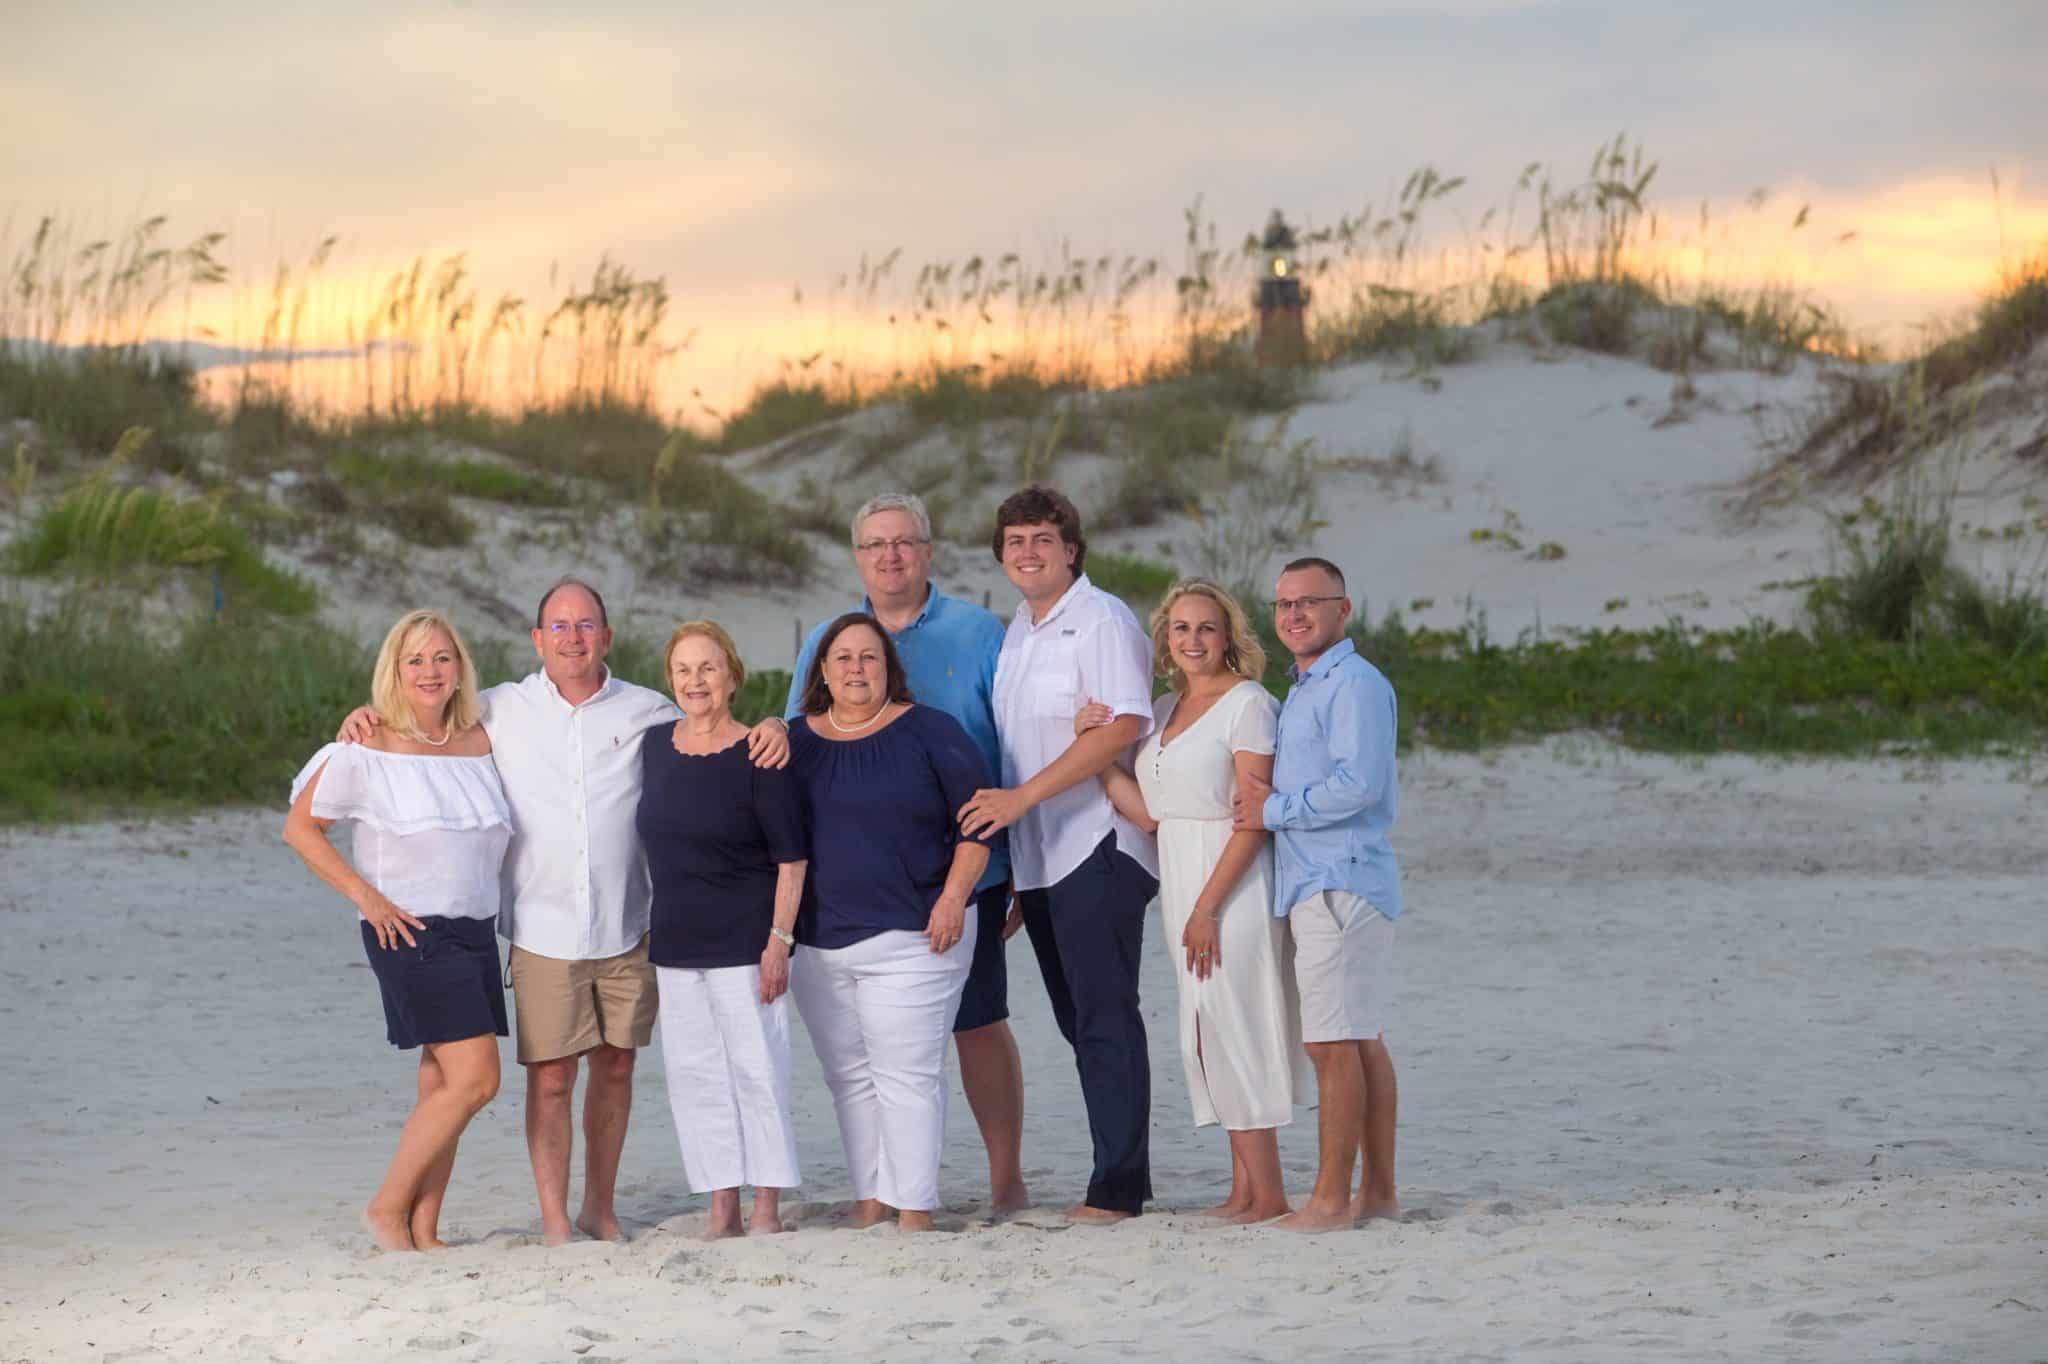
{"x":886,"y":934}
{"x":725,"y":851}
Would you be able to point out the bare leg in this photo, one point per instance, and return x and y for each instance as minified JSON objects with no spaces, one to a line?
{"x":469,"y":1071}
{"x":766,"y":1218}
{"x":1255,"y":1158}
{"x":1376,"y":1182}
{"x":1240,"y":1181}
{"x":910,"y":1219}
{"x":992,"y":1073}
{"x":724,"y":1220}
{"x":550,"y":1086}
{"x":425,"y":1220}
{"x":607,"y":1103}
{"x":1340,"y":1116}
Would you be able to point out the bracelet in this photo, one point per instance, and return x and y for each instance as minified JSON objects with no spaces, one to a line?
{"x":787,"y":939}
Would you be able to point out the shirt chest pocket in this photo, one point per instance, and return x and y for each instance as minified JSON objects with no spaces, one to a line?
{"x":1053,"y":686}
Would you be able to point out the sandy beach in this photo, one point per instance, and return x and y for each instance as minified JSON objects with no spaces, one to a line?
{"x":1724,"y":1059}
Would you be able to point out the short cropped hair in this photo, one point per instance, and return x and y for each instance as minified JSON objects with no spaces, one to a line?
{"x":1242,"y":653}
{"x":1038,"y":504}
{"x":903,"y":502}
{"x":540,"y":612}
{"x":713,"y":631}
{"x":817,"y":696}
{"x":1317,"y":561}
{"x":462,"y":708}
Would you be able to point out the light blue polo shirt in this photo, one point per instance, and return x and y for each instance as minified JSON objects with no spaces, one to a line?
{"x":949,"y":657}
{"x":1335,"y":791}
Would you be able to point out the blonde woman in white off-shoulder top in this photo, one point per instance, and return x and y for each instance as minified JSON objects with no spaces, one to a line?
{"x":431,"y":828}
{"x":1240,"y":1020}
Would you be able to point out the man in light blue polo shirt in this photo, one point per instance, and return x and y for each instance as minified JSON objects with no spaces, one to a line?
{"x":949,"y":649}
{"x":1330,"y":804}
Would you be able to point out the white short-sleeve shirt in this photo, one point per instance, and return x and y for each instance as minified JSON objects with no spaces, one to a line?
{"x":1088,"y":647}
{"x":575,"y":880}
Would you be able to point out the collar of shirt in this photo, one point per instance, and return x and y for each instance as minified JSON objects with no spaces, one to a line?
{"x":604,"y":689}
{"x":1080,"y":584}
{"x":931,"y":604}
{"x":1332,"y":656}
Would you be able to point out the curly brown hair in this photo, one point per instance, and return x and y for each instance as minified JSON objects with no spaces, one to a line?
{"x":1037,"y":504}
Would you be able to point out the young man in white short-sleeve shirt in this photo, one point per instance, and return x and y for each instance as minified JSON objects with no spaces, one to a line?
{"x":1083,"y":873}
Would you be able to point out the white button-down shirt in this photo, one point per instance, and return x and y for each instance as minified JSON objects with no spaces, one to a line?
{"x":1088,"y":647}
{"x":574,"y":884}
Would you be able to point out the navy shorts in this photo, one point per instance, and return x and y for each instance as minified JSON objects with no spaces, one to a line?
{"x":986,"y":999}
{"x":443,"y":990}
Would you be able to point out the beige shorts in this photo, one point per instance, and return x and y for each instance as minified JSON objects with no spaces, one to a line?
{"x":1342,"y":946}
{"x":565,"y":1008}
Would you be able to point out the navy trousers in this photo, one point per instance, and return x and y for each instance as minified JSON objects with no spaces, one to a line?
{"x":1087,"y":932}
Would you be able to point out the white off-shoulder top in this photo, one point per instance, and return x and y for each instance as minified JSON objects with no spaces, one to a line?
{"x":430,"y":831}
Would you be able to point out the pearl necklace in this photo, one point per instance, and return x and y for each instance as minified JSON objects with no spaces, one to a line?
{"x":833,"y":720}
{"x":441,"y":742}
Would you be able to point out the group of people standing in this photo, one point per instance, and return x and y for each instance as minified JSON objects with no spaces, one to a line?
{"x":937,"y":782}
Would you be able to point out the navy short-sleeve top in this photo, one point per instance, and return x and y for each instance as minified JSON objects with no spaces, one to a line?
{"x":714,"y":827}
{"x":880,"y":811}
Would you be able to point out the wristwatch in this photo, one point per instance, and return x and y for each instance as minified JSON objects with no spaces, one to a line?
{"x":787,"y":939}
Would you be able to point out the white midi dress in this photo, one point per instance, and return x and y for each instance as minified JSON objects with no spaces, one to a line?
{"x":1240,"y":1030}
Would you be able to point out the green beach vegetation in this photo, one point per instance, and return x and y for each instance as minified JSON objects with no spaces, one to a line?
{"x":129,"y":470}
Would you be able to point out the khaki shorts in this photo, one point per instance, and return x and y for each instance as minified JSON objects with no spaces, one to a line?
{"x":565,"y":1008}
{"x":1342,"y":946}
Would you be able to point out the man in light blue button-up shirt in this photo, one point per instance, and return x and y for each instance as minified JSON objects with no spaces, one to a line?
{"x":1330,"y":804}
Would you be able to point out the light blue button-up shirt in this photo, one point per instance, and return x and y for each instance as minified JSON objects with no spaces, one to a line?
{"x":949,"y":658}
{"x":1334,"y":786}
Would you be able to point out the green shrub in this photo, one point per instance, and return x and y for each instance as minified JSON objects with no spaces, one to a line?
{"x":102,"y":527}
{"x":1138,"y":580}
{"x":721,"y":529}
{"x":779,"y":409}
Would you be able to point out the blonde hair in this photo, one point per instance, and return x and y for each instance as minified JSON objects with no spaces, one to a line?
{"x":462,"y":709}
{"x":1243,"y":655}
{"x":713,"y":631}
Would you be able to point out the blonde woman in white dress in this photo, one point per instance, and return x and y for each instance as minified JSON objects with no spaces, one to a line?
{"x":432,"y":826}
{"x":1240,"y":1025}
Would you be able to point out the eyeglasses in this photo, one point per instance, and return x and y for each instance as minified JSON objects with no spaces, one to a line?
{"x":1282,"y":605}
{"x":902,"y":544}
{"x":559,"y":628}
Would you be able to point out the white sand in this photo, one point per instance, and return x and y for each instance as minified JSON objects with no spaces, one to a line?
{"x":1722,"y":1060}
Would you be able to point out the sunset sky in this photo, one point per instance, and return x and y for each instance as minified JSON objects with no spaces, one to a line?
{"x":746,"y":151}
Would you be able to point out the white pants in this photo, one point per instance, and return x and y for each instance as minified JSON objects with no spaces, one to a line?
{"x":727,"y":1060}
{"x":880,"y":1014}
{"x":1342,"y":946}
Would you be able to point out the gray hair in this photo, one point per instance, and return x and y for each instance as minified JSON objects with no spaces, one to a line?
{"x":903,"y":502}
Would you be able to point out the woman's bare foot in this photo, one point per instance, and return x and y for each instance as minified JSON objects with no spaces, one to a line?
{"x":1367,"y":1210}
{"x":911,"y":1219}
{"x":1317,"y":1217}
{"x":1253,"y":1213}
{"x":604,"y":1228}
{"x":867,"y":1212}
{"x":554,"y":1233}
{"x":766,"y":1218}
{"x":387,"y":1229}
{"x":723,"y":1219}
{"x":1229,"y":1208}
{"x":1082,"y":1212}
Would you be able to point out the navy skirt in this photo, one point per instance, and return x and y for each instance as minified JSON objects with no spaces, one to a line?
{"x":443,"y":990}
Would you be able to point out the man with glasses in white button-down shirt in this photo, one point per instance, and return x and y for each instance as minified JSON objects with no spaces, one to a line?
{"x":566,"y":740}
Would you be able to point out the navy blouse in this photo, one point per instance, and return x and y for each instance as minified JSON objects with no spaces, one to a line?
{"x":880,"y":811}
{"x":714,"y":827}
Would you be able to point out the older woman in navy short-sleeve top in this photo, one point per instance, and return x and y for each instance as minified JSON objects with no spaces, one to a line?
{"x":885,"y":927}
{"x":725,"y":853}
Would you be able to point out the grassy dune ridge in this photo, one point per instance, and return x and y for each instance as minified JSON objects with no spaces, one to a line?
{"x":125,"y":474}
